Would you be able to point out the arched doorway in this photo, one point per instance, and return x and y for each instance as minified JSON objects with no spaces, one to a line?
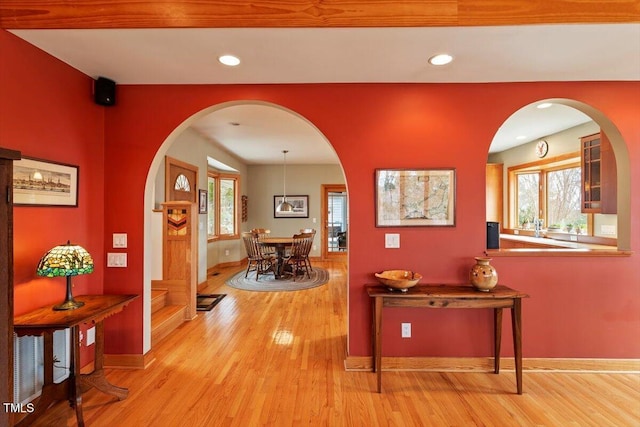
{"x":532,"y":159}
{"x":193,"y":130}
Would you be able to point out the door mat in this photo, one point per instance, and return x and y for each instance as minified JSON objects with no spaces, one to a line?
{"x":207,"y":301}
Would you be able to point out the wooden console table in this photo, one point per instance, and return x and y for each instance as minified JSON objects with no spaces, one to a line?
{"x":44,"y":321}
{"x":451,"y":296}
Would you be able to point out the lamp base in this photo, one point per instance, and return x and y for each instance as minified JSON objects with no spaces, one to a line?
{"x":68,"y":305}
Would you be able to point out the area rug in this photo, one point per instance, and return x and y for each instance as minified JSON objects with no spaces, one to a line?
{"x":206,"y":302}
{"x":268,"y":283}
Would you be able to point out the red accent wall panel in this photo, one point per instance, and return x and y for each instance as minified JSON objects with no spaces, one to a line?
{"x":579,"y":307}
{"x":46,"y":112}
{"x":429,"y":125}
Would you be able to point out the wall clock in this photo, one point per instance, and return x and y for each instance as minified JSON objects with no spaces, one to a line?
{"x":541,"y":148}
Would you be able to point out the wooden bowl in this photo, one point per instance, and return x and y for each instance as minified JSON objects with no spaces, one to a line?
{"x":398,"y":279}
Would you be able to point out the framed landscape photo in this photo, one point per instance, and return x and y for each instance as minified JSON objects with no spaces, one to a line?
{"x":300,"y":207}
{"x":415,"y":197}
{"x":39,"y":182}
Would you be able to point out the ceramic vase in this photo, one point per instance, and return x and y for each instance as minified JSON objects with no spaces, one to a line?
{"x":482,"y":275}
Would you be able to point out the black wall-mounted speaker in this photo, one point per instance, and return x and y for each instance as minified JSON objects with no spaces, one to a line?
{"x":104,"y":91}
{"x":493,"y":235}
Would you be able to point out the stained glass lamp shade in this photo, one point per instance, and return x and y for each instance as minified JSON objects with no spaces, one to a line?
{"x":66,"y":261}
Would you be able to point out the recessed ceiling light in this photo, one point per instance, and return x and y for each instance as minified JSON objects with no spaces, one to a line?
{"x":229,"y":60}
{"x":544,"y":105}
{"x":521,"y":137}
{"x":441,"y":59}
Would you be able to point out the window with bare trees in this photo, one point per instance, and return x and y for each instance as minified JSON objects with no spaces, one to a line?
{"x":551,"y":193}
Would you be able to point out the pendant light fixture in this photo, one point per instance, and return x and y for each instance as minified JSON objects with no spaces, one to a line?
{"x":284,"y":206}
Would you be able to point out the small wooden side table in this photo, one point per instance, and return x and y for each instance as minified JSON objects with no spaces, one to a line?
{"x":45,"y":321}
{"x":451,"y":296}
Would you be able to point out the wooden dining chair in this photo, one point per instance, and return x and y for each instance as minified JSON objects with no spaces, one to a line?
{"x":257,"y":259}
{"x":262,"y":233}
{"x":298,"y":256}
{"x":311,"y":231}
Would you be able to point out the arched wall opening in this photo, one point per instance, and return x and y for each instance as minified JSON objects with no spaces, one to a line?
{"x":621,"y":153}
{"x":150,"y":199}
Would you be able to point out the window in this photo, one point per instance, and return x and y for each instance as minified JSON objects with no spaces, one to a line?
{"x":528,"y":197}
{"x":227,"y":203}
{"x":211,"y":208}
{"x":563,"y":199}
{"x":551,"y":192}
{"x":222,"y":218}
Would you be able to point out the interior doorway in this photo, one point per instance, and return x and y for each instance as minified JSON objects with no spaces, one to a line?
{"x":335,"y":221}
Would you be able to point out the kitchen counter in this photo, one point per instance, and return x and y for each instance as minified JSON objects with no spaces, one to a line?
{"x":509,"y":241}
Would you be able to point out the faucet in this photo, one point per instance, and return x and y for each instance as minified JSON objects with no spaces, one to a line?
{"x":537,"y":223}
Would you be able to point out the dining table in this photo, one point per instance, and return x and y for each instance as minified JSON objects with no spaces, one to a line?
{"x":280,"y":244}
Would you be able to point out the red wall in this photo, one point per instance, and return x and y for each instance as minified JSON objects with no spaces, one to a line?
{"x":579,"y":307}
{"x":46,"y":112}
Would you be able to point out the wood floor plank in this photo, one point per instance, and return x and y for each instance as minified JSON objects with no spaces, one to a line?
{"x":277,"y":359}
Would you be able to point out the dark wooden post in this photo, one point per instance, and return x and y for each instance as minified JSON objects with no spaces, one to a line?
{"x":6,"y":281}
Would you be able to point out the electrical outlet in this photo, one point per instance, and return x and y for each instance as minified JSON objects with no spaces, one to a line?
{"x":406,"y":330}
{"x":226,"y":252}
{"x":608,"y":230}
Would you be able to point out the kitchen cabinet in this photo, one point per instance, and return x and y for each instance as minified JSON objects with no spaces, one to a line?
{"x":599,"y":175}
{"x":494,"y":172}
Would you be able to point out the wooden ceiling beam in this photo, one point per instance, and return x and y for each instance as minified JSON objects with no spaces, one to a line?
{"x":84,"y":14}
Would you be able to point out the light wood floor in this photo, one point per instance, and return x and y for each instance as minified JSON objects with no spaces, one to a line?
{"x":278,"y":359}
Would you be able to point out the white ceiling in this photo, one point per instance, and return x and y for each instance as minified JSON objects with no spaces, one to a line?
{"x":257,"y":133}
{"x":593,"y":52}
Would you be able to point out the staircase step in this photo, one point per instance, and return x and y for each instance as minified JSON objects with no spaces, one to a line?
{"x":158,"y":299}
{"x":164,"y":321}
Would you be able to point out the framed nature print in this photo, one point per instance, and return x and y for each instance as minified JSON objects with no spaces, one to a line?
{"x":202,"y":201}
{"x":300,"y":207}
{"x":415,"y":197}
{"x":39,"y":182}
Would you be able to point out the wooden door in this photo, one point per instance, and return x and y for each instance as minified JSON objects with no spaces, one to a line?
{"x":335,"y":227}
{"x":181,"y":180}
{"x":180,"y":252}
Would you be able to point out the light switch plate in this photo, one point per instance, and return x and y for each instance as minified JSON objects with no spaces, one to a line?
{"x":406,"y":330}
{"x":117,"y":259}
{"x":392,"y":240}
{"x":91,"y":335}
{"x":119,"y":240}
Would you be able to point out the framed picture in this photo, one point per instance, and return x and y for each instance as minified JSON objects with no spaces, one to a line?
{"x":300,"y":207}
{"x":415,"y":197}
{"x":39,"y":182}
{"x":202,"y":201}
